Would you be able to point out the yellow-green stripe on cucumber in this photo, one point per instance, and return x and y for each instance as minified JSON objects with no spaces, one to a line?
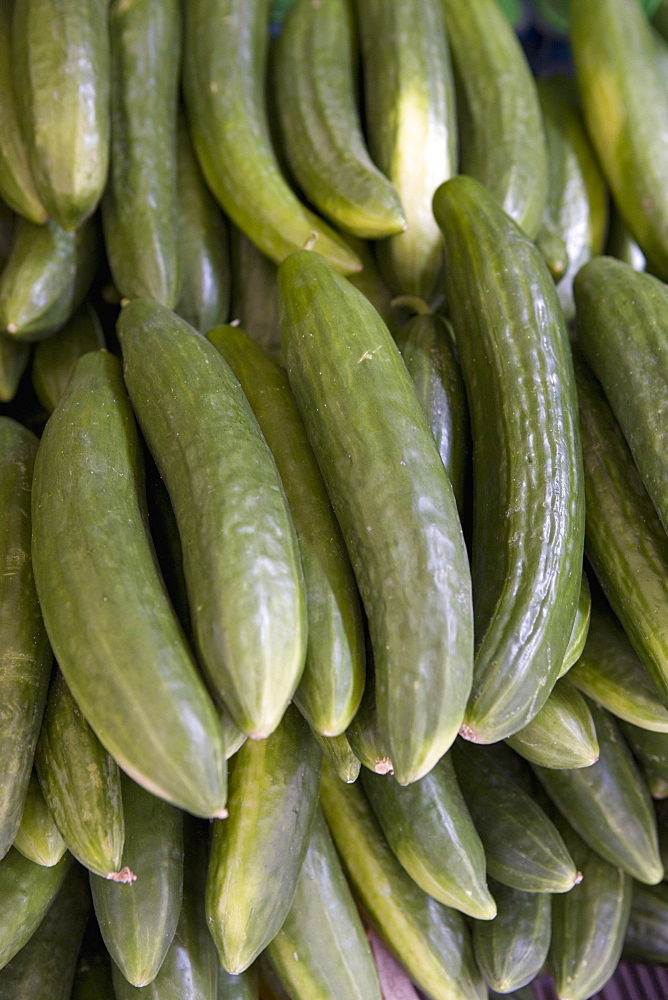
{"x":38,"y":838}
{"x":562,"y":734}
{"x":340,"y":754}
{"x":510,"y":950}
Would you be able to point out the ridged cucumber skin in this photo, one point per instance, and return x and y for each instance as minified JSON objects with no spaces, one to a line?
{"x":46,"y":964}
{"x":88,"y":490}
{"x":139,"y":214}
{"x":410,"y":105}
{"x":46,"y":278}
{"x":138,"y":920}
{"x":399,"y":517}
{"x":321,"y":950}
{"x":364,"y":736}
{"x":502,"y":142}
{"x":17,"y":184}
{"x":625,"y":106}
{"x":331,"y":685}
{"x":431,"y":833}
{"x":14,"y":357}
{"x":315,"y":81}
{"x":224,"y":64}
{"x":241,"y":557}
{"x":646,"y":934}
{"x":245,"y":986}
{"x":511,"y":949}
{"x":528,"y":508}
{"x":81,"y":783}
{"x":430,"y":940}
{"x":60,"y":56}
{"x":26,"y":892}
{"x":206,"y":270}
{"x":54,"y":358}
{"x":25,"y":654}
{"x":255,"y":294}
{"x":650,"y":749}
{"x":257,"y":853}
{"x":608,"y":804}
{"x":578,"y":638}
{"x":625,"y":541}
{"x":340,"y":755}
{"x":562,"y":734}
{"x":427,"y":346}
{"x":589,"y":923}
{"x":622,"y":323}
{"x":38,"y":838}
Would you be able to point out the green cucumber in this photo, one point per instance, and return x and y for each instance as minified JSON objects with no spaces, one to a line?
{"x":255,"y":294}
{"x":620,"y":244}
{"x":552,"y":246}
{"x":501,"y":129}
{"x":92,"y":980}
{"x":81,"y":784}
{"x":370,"y":282}
{"x":38,"y":838}
{"x":321,"y":949}
{"x":576,"y":643}
{"x":233,"y":737}
{"x":257,"y":853}
{"x":510,"y":950}
{"x":139,"y":215}
{"x":54,"y":358}
{"x":399,"y":517}
{"x":340,"y":755}
{"x":562,"y":734}
{"x":225,"y":56}
{"x":13,"y":362}
{"x":430,"y":940}
{"x":25,"y":654}
{"x":331,"y":686}
{"x":138,"y":920}
{"x":26,"y":892}
{"x":241,"y":558}
{"x":95,"y":567}
{"x":650,"y":749}
{"x":410,"y":106}
{"x":656,"y":785}
{"x":364,"y":736}
{"x":647,"y":932}
{"x":528,"y":505}
{"x":245,"y":986}
{"x":608,"y":804}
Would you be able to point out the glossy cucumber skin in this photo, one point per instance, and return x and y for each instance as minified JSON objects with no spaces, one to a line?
{"x":511,"y":949}
{"x":410,"y":105}
{"x":60,"y":53}
{"x":528,"y":507}
{"x":139,"y":206}
{"x":578,"y":637}
{"x":25,"y":654}
{"x":26,"y":892}
{"x":241,"y":557}
{"x":38,"y":838}
{"x":257,"y":853}
{"x":87,"y":586}
{"x":363,"y":733}
{"x":54,"y":358}
{"x":330,"y":688}
{"x":399,"y":517}
{"x":562,"y":734}
{"x":502,"y":138}
{"x":646,"y":939}
{"x":242,"y":987}
{"x":339,"y":753}
{"x":224,"y":64}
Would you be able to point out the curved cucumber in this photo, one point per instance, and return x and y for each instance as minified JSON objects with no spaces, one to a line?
{"x":38,"y":838}
{"x":54,"y":358}
{"x":576,"y":643}
{"x":511,"y":949}
{"x":95,"y":567}
{"x":26,"y":892}
{"x":340,"y":755}
{"x":13,"y":362}
{"x":364,"y":736}
{"x":562,"y":734}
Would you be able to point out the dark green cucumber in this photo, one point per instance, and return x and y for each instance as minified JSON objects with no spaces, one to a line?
{"x":576,"y":643}
{"x":430,"y":940}
{"x":81,"y":784}
{"x":139,"y":214}
{"x":620,"y":244}
{"x":340,"y":755}
{"x":54,"y":358}
{"x":399,"y":517}
{"x":25,"y":654}
{"x":647,"y":931}
{"x":257,"y":853}
{"x":650,"y":749}
{"x":511,"y":949}
{"x":38,"y":838}
{"x":608,"y":804}
{"x":13,"y":362}
{"x":523,"y":847}
{"x":203,"y":245}
{"x":255,"y":294}
{"x":410,"y":105}
{"x":501,"y":128}
{"x":92,"y":980}
{"x":245,"y":986}
{"x":26,"y":892}
{"x":430,"y":831}
{"x":138,"y":920}
{"x":321,"y":949}
{"x":241,"y":556}
{"x":364,"y":736}
{"x":331,"y":686}
{"x":562,"y":734}
{"x":528,"y":508}
{"x":225,"y":57}
{"x":95,"y":567}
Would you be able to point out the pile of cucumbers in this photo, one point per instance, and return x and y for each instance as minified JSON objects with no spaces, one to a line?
{"x":333,"y":499}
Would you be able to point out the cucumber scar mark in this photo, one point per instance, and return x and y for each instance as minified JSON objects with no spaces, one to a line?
{"x":368,"y":355}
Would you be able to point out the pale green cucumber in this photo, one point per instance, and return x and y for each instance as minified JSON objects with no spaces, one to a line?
{"x":26,"y":892}
{"x":340,"y":755}
{"x":511,"y":949}
{"x":38,"y":838}
{"x":562,"y":734}
{"x":363,"y":733}
{"x":54,"y":358}
{"x":576,"y":643}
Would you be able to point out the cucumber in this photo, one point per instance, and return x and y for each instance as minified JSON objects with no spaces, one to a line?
{"x":139,"y":214}
{"x":370,"y":282}
{"x":330,"y":688}
{"x":257,"y":854}
{"x":620,"y":244}
{"x":38,"y":838}
{"x":25,"y":654}
{"x":95,"y":567}
{"x":60,"y":57}
{"x":255,"y":294}
{"x":364,"y":736}
{"x":528,"y":505}
{"x":225,"y":57}
{"x":13,"y":362}
{"x":26,"y":892}
{"x":245,"y":986}
{"x":576,"y":643}
{"x":92,"y":980}
{"x":340,"y":755}
{"x":501,"y":129}
{"x":552,"y":246}
{"x":650,"y":749}
{"x":138,"y":921}
{"x":54,"y":358}
{"x":510,"y":950}
{"x":430,"y":940}
{"x":656,"y":785}
{"x":562,"y":734}
{"x":647,"y":932}
{"x":241,"y":557}
{"x":321,"y":949}
{"x":398,"y":517}
{"x":410,"y":105}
